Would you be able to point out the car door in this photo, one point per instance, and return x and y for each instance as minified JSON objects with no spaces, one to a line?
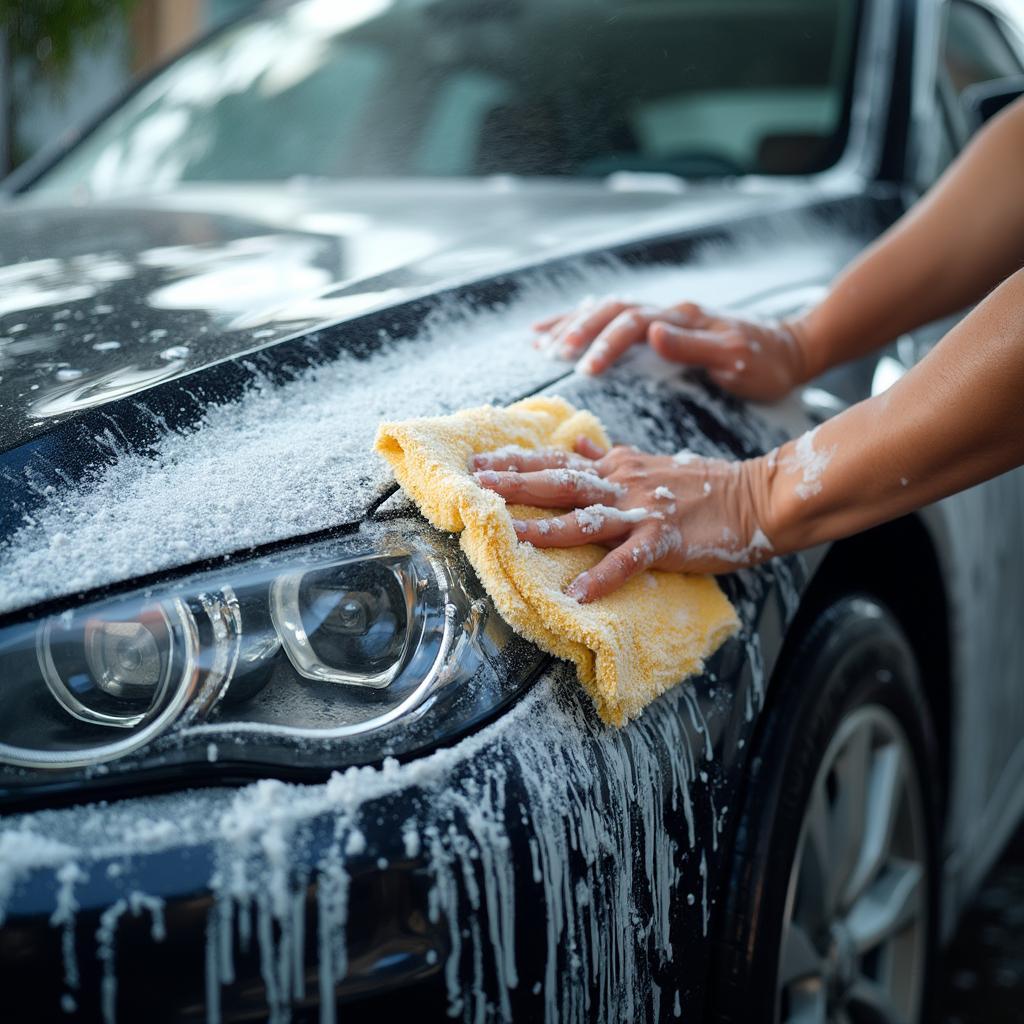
{"x":979,"y":531}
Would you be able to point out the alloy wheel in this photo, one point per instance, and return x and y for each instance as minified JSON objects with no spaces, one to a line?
{"x":855,"y":929}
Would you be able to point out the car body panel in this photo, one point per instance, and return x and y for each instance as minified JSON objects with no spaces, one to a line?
{"x":313,"y":464}
{"x":546,"y":808}
{"x":542,"y":866}
{"x":110,"y":299}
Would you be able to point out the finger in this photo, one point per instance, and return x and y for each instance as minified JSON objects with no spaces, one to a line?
{"x":549,"y":322}
{"x":589,"y":449}
{"x":688,"y":314}
{"x":644,"y":548}
{"x":587,"y":325}
{"x":614,"y":458}
{"x":551,"y":488}
{"x":724,"y":378}
{"x":622,"y":333}
{"x":514,"y":459}
{"x":618,"y":566}
{"x":547,"y":337}
{"x":597,"y":524}
{"x":692,"y":347}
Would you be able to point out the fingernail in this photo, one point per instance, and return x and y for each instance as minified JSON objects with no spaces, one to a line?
{"x":487,"y":476}
{"x":588,"y":366}
{"x":520,"y":525}
{"x":480,"y":460}
{"x":577,"y":590}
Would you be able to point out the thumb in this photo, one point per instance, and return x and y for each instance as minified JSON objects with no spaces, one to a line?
{"x":691,"y":347}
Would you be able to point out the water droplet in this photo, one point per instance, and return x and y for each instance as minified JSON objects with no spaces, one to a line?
{"x":65,"y":375}
{"x":175,"y":352}
{"x":106,"y":346}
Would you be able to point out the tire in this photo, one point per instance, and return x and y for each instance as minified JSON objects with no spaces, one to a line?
{"x":798,"y":897}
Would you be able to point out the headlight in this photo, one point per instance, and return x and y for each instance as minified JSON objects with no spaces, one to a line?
{"x":346,"y":624}
{"x":351,"y":651}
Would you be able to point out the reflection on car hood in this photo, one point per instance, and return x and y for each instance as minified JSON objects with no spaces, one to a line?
{"x":220,"y":459}
{"x":103,"y":301}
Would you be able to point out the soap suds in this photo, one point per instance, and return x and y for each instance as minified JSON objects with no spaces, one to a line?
{"x":583,"y":794}
{"x":577,"y":480}
{"x":756,"y":549}
{"x":308,"y":441}
{"x":593,"y":518}
{"x":809,"y":462}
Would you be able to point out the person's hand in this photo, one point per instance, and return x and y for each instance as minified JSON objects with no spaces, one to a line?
{"x":760,"y":361}
{"x":680,"y":513}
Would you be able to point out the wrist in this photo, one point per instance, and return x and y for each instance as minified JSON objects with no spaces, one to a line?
{"x":776,"y":510}
{"x":807,"y":352}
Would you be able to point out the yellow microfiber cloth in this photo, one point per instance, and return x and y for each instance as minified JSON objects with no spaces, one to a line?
{"x":628,"y":647}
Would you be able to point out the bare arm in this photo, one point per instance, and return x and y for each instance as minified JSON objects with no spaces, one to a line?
{"x":961,"y":240}
{"x":958,"y":242}
{"x":955,"y":420}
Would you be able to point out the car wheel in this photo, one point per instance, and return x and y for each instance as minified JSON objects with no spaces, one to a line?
{"x":830,"y":899}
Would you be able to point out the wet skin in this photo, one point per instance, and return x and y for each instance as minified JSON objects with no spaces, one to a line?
{"x":953,"y":421}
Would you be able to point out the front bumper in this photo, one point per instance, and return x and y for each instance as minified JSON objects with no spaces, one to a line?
{"x":544,"y":868}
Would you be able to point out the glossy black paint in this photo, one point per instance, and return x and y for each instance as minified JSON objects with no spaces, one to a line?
{"x":389,"y":933}
{"x":49,"y":427}
{"x":396,"y":953}
{"x":467,"y":241}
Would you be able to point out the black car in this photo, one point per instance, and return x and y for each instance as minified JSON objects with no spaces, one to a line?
{"x":266,"y":749}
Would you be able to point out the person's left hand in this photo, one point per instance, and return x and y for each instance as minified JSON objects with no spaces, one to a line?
{"x":680,"y":513}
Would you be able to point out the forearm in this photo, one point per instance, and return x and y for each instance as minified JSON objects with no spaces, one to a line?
{"x":966,"y":235}
{"x":955,"y":420}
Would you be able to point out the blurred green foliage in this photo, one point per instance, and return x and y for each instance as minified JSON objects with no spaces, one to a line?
{"x":49,"y":32}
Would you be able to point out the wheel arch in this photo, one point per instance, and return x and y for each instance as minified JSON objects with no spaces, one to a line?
{"x":898,"y":564}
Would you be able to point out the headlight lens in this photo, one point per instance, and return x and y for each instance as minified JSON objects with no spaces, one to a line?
{"x":346,"y":624}
{"x":111,"y":670}
{"x":354,"y":650}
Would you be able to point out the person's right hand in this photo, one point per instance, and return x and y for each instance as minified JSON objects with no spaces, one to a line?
{"x":760,"y":361}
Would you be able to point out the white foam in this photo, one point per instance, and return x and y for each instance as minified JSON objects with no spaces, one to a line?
{"x":809,"y":462}
{"x":292,"y":459}
{"x":593,"y":518}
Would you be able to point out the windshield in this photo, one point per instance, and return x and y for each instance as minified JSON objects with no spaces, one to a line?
{"x":455,"y":88}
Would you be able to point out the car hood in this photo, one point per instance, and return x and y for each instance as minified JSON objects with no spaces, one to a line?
{"x":203,"y":375}
{"x":103,"y":301}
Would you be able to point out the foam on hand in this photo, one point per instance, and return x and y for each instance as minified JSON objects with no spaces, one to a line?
{"x":630,"y":646}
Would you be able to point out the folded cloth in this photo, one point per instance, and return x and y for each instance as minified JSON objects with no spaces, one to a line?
{"x":628,"y":647}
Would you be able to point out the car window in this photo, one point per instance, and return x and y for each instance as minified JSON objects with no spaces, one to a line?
{"x":975,"y":49}
{"x":374,"y":88}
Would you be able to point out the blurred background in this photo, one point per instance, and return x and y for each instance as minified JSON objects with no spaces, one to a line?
{"x":62,"y":61}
